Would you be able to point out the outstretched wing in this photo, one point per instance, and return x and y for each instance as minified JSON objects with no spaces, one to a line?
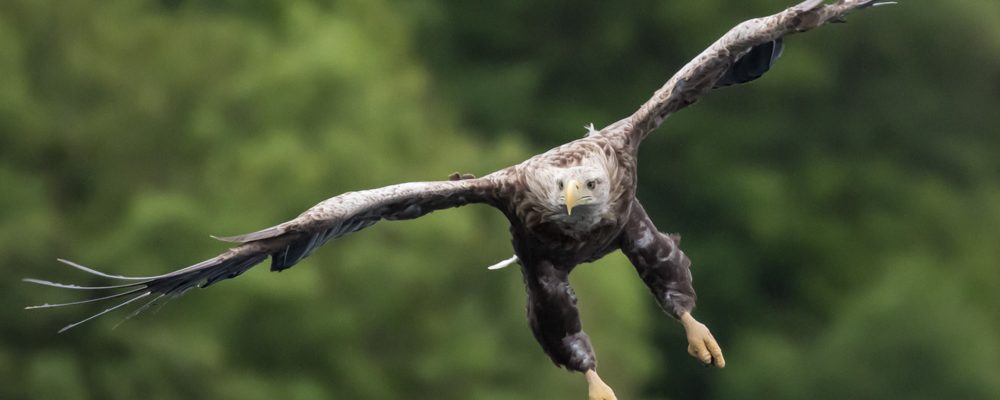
{"x":288,"y":243}
{"x":741,"y":55}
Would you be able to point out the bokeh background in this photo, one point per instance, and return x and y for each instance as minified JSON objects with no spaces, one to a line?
{"x":842,"y":213}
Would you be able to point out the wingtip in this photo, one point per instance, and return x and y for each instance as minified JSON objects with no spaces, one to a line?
{"x":43,"y":282}
{"x":110,"y":309}
{"x":99,"y":273}
{"x":39,"y":282}
{"x":229,"y":239}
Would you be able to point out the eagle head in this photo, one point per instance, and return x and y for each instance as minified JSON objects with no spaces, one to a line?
{"x":583,"y":188}
{"x":575,"y":198}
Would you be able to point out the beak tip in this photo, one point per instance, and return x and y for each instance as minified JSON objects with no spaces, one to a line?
{"x":572,"y":187}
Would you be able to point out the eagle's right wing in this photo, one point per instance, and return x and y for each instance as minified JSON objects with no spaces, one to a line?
{"x":290,"y":242}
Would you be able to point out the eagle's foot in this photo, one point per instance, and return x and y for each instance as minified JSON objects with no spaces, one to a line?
{"x":598,"y":390}
{"x":701,"y":343}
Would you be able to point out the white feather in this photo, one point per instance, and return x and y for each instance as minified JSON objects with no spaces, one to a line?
{"x":503,"y":264}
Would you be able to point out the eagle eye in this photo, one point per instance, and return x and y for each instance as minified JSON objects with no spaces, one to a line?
{"x":591,"y":184}
{"x":560,"y":183}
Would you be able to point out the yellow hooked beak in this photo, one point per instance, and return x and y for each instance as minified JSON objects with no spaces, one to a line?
{"x":572,"y":188}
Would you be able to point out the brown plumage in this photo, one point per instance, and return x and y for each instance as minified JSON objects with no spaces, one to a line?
{"x":570,"y":205}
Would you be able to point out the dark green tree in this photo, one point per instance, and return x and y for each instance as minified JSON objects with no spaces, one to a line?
{"x":842,"y":212}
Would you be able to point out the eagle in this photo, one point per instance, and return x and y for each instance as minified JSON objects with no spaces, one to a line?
{"x":570,"y":205}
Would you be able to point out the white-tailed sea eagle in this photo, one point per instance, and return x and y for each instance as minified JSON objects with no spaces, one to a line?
{"x":570,"y":205}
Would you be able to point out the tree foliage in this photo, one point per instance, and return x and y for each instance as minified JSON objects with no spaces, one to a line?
{"x":842,"y":212}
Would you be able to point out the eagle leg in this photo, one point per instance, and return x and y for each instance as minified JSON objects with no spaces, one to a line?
{"x":666,"y":270}
{"x":555,"y":322}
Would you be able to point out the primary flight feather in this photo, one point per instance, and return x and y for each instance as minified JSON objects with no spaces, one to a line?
{"x":570,"y":205}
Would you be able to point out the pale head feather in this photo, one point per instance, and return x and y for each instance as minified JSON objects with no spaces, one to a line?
{"x":546,"y":189}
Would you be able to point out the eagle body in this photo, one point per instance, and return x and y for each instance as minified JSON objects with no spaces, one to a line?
{"x":549,"y":243}
{"x":570,"y":205}
{"x":540,"y":230}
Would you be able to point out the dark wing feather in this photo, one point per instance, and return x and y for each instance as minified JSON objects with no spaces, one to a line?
{"x":287,"y":243}
{"x":744,"y":53}
{"x":753,"y":65}
{"x":354,"y":211}
{"x":249,"y":237}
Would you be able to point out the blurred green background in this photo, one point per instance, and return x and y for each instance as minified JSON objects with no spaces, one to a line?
{"x":842,"y":213}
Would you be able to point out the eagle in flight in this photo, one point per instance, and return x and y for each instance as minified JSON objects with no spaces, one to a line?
{"x":570,"y":205}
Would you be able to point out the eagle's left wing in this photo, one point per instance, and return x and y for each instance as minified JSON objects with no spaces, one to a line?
{"x":742,"y":54}
{"x":290,"y":242}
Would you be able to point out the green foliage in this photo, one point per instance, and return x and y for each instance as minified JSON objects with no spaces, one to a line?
{"x":841,"y":212}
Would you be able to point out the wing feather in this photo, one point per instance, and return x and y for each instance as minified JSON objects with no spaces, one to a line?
{"x":287,"y":243}
{"x":265,"y":233}
{"x":752,"y":65}
{"x":742,"y":54}
{"x":354,"y":211}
